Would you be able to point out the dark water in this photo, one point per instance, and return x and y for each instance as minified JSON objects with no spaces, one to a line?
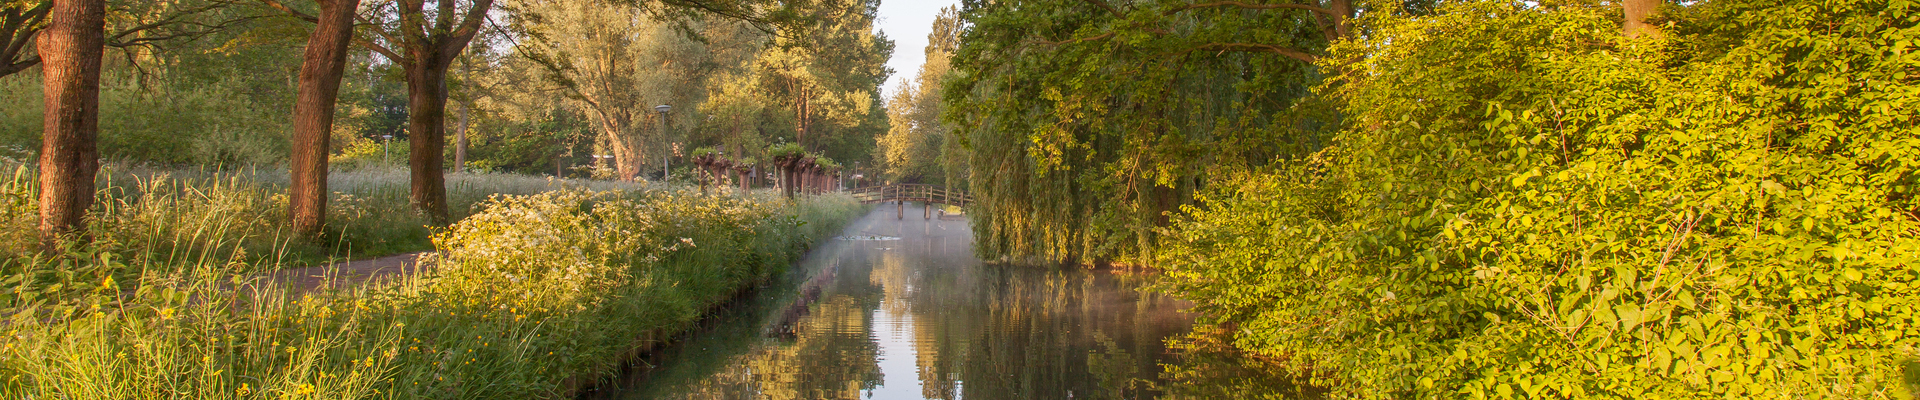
{"x":901,"y":309}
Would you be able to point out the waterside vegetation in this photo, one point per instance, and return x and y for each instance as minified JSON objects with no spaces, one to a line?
{"x":1478,"y":199}
{"x":531,"y":296}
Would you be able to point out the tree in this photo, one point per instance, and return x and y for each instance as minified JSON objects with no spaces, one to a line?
{"x":19,"y":21}
{"x":1518,"y":203}
{"x":71,"y":49}
{"x":618,"y":63}
{"x":827,"y":75}
{"x":918,"y":147}
{"x":322,"y":65}
{"x":1088,"y":123}
{"x":1636,"y":13}
{"x":424,"y":43}
{"x":148,"y":24}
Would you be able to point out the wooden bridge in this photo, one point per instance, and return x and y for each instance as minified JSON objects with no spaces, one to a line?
{"x":902,"y":193}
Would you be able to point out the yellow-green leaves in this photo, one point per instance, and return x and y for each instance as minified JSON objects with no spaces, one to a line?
{"x":1725,"y":212}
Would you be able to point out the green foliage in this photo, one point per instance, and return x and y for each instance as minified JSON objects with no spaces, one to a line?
{"x":1086,"y":125}
{"x":533,"y":294}
{"x":784,"y":149}
{"x":1526,"y":204}
{"x":209,"y":123}
{"x":919,"y":147}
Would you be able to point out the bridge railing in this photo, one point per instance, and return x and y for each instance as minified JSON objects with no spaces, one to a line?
{"x":911,"y":192}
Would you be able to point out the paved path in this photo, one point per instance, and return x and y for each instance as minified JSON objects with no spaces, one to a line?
{"x":348,"y":273}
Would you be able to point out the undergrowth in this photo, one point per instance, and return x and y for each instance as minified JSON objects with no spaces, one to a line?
{"x":530,"y":296}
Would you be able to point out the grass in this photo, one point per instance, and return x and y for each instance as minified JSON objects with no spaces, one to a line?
{"x":143,"y":212}
{"x":535,"y":292}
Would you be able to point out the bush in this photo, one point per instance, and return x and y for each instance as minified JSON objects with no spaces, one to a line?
{"x":533,"y":294}
{"x":1526,"y":204}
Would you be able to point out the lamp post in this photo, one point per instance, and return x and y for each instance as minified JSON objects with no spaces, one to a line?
{"x":663,"y":108}
{"x":384,"y":153}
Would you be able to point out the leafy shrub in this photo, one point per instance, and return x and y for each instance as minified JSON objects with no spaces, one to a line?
{"x":1526,"y":204}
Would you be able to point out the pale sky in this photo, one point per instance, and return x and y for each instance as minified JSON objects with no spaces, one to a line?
{"x":907,"y":22}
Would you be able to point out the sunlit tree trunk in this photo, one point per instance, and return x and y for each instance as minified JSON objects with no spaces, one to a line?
{"x":1637,"y":12}
{"x":324,"y":61}
{"x":70,"y":50}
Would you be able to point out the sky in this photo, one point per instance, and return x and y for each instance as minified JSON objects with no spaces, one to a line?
{"x":907,"y":22}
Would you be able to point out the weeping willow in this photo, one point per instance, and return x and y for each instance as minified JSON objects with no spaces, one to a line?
{"x":1088,"y":126}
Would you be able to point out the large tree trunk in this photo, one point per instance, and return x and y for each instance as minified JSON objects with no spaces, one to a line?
{"x":626,"y":161}
{"x":324,"y":61}
{"x":427,"y":136}
{"x":1637,"y":12}
{"x":70,"y":49}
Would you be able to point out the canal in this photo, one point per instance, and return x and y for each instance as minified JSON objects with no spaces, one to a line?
{"x":901,"y":309}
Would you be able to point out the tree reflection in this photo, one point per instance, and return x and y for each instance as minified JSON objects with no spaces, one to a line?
{"x":977,"y":331}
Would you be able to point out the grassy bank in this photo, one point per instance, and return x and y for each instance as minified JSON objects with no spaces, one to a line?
{"x":532,"y":294}
{"x":181,"y":214}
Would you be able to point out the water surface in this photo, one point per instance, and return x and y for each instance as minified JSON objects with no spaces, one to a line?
{"x":901,"y":309}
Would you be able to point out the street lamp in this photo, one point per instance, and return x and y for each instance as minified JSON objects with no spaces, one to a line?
{"x":385,"y":154}
{"x":663,"y":108}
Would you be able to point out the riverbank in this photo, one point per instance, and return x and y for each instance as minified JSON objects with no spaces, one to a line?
{"x":530,"y":296}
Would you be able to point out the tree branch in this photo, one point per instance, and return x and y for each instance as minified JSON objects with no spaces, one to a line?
{"x":1318,"y":9}
{"x":275,"y":4}
{"x":1103,"y":4}
{"x":377,"y":30}
{"x":377,"y":48}
{"x":1256,"y":47}
{"x":20,"y":26}
{"x":1072,"y":41}
{"x":469,"y":26}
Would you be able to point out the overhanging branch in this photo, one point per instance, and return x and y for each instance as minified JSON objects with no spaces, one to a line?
{"x":1257,"y":47}
{"x":1253,"y":6}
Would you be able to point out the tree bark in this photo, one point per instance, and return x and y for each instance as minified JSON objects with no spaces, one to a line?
{"x":427,"y":136}
{"x":1637,"y":12}
{"x":426,"y":50}
{"x":70,"y":49}
{"x":322,"y":65}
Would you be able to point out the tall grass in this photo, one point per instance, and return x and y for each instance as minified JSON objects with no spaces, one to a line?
{"x":530,"y":295}
{"x":170,"y":213}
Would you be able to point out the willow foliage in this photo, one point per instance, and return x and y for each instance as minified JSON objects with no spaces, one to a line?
{"x":1088,"y":122}
{"x":1525,"y":204}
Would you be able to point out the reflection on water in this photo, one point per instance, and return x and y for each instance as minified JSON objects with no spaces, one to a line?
{"x":920,"y":317}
